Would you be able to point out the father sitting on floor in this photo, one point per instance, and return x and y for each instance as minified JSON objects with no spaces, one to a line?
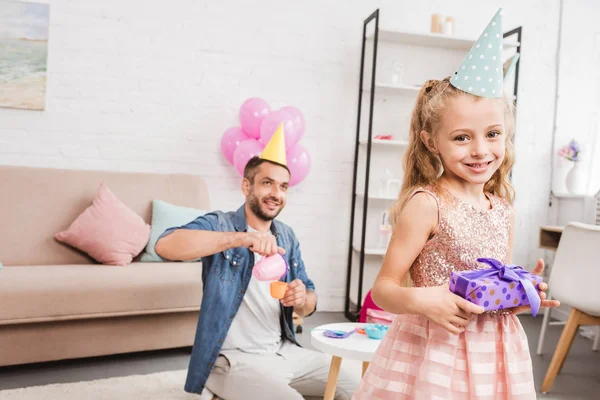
{"x":245,"y":347}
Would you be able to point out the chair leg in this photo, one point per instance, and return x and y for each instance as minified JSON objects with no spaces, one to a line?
{"x":597,"y":339}
{"x":545,"y":322}
{"x":562,"y":349}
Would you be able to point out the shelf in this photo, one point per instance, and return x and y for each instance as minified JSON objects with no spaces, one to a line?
{"x":550,"y":237}
{"x":570,"y":196}
{"x":373,"y":197}
{"x":406,"y":90}
{"x":553,"y":228}
{"x":370,"y":251}
{"x":384,"y":142}
{"x":431,"y":40}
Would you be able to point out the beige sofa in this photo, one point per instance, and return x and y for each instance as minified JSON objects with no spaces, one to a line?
{"x":56,"y":303}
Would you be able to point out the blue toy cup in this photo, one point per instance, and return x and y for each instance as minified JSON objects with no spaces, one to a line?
{"x":376,"y":331}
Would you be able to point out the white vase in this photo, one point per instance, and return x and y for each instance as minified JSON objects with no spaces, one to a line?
{"x":576,"y":180}
{"x":559,"y":176}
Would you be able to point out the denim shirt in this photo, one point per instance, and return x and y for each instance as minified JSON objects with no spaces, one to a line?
{"x":225,"y":278}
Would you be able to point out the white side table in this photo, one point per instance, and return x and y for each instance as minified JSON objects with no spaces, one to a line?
{"x":355,"y":347}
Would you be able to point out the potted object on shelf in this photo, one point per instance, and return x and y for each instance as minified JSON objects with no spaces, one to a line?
{"x":575,"y":177}
{"x":385,"y":230}
{"x":449,"y":26}
{"x":384,"y":137}
{"x":436,"y":23}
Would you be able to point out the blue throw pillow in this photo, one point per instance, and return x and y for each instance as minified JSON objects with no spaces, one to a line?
{"x":165,"y":216}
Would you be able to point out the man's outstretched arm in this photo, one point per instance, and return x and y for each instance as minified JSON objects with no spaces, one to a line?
{"x":201,"y":238}
{"x":191,"y":244}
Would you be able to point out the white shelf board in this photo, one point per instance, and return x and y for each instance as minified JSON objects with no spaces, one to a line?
{"x":374,"y":197}
{"x":383,"y":88}
{"x":569,"y":195}
{"x":404,"y":90}
{"x":384,"y":142}
{"x":370,"y":251}
{"x":431,"y":39}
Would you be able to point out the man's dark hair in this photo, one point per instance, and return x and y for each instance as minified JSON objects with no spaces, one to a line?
{"x":251,"y":168}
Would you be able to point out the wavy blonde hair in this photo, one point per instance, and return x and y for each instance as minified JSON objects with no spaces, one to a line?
{"x":422,"y":167}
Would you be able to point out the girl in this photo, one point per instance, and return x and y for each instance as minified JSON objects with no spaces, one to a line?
{"x":454,"y":206}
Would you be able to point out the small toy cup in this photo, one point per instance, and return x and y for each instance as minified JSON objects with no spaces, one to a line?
{"x":278,"y":289}
{"x":376,"y":331}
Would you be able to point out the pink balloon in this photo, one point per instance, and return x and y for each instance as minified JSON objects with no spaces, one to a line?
{"x":298,"y":162}
{"x":231,"y":140}
{"x":271,"y":123}
{"x":244,"y":152}
{"x":252,"y":113}
{"x":298,"y":121}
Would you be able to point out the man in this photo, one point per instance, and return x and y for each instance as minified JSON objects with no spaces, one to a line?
{"x":245,"y":347}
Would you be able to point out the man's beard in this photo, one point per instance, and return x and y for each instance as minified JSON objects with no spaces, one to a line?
{"x":255,"y":208}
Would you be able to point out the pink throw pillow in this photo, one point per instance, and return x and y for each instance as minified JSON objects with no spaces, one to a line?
{"x":108,"y":230}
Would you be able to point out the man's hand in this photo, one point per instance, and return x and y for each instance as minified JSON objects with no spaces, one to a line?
{"x":295,"y":295}
{"x":542,"y":287}
{"x":262,"y":243}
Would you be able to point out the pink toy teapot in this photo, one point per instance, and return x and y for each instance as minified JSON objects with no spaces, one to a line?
{"x":272,"y":268}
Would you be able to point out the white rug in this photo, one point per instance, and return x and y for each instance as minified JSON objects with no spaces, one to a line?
{"x":161,"y":385}
{"x":158,"y":386}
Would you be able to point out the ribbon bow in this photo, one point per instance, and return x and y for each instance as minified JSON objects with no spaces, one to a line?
{"x":510,"y":273}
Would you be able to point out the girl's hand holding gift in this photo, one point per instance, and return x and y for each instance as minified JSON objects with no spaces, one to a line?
{"x":445,"y":308}
{"x":502,"y":286}
{"x":542,"y":287}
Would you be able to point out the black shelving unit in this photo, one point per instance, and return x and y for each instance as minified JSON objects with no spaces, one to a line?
{"x":351,"y":309}
{"x":519,"y":32}
{"x":352,"y":314}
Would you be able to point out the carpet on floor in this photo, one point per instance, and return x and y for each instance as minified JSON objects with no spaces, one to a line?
{"x":157,"y":386}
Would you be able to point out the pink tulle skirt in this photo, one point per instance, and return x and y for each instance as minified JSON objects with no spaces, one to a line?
{"x":420,"y":360}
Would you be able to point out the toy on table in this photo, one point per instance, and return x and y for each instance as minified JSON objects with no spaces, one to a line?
{"x":376,"y":331}
{"x":501,"y":286}
{"x":272,"y":268}
{"x":337,"y":334}
{"x":373,"y":331}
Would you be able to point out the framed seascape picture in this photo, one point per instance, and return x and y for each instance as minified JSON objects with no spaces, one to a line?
{"x":24,"y":54}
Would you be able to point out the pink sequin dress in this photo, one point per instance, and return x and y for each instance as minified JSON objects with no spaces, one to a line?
{"x":418,"y":359}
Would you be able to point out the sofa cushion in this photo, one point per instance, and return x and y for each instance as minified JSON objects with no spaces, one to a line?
{"x":108,"y":230}
{"x":62,"y":292}
{"x":165,"y":216}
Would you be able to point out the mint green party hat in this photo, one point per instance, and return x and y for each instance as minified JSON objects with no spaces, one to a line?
{"x":481,"y":72}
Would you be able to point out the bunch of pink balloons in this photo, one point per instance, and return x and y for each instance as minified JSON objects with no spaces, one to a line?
{"x":258,"y":123}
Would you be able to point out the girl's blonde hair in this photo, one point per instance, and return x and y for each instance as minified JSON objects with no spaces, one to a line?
{"x":422,"y":167}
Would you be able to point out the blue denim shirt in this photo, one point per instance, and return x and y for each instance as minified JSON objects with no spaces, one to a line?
{"x":225,"y":278}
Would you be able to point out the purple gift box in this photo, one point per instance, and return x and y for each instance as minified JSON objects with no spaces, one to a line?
{"x":498,"y":287}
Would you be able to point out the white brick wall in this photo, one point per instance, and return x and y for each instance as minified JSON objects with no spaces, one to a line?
{"x":145,"y":86}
